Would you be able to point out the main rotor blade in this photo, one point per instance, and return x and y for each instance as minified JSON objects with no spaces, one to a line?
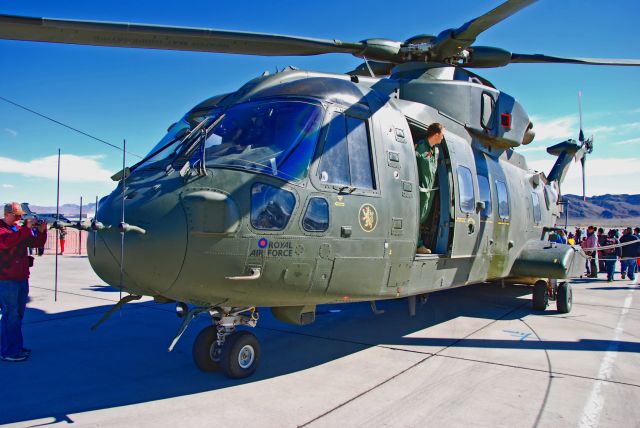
{"x":539,"y":58}
{"x":126,"y":35}
{"x":451,"y":42}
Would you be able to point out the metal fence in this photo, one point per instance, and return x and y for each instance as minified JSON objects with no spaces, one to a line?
{"x":75,"y":242}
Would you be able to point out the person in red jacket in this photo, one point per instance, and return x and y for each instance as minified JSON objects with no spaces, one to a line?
{"x":14,"y":278}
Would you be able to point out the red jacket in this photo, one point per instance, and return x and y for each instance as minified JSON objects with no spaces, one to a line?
{"x":14,"y":260}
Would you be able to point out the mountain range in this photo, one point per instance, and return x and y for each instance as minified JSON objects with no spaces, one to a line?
{"x":604,"y":207}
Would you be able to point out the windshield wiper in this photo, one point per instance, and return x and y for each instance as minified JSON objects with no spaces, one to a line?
{"x":198,"y":141}
{"x":182,"y":139}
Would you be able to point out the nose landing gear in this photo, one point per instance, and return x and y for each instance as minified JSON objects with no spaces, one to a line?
{"x":543,"y":291}
{"x":220,"y":346}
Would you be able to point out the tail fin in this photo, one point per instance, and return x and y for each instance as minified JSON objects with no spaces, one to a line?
{"x":566,"y":152}
{"x":25,"y":208}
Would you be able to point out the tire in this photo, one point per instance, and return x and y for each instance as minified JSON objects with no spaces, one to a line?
{"x":204,"y":349}
{"x":240,"y":355}
{"x":540,"y":298}
{"x":565,"y":298}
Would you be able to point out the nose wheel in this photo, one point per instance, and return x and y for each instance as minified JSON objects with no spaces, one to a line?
{"x":222,"y":347}
{"x":544,"y":291}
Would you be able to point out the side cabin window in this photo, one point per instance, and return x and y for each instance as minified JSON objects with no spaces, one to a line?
{"x":346,"y":157}
{"x":485,"y":195}
{"x":535,"y":203}
{"x":316,"y":217}
{"x":465,"y":190}
{"x":503,"y":199}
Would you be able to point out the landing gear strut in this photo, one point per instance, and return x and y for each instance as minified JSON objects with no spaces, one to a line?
{"x":220,"y":346}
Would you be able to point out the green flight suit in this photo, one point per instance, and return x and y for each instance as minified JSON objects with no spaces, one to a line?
{"x":427,"y":158}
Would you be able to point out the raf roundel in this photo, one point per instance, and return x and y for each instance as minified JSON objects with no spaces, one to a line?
{"x":263,"y":242}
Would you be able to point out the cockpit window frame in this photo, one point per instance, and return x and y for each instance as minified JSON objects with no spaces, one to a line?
{"x":298,"y":181}
{"x":359,"y":112}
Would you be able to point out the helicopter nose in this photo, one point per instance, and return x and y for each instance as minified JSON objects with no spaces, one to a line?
{"x":151,"y":260}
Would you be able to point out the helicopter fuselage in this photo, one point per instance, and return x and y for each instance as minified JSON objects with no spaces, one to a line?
{"x":314,"y":198}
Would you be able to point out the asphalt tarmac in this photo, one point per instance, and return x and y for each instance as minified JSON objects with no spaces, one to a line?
{"x":473,"y":356}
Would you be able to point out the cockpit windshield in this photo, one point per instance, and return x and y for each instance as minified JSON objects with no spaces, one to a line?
{"x":276,"y":137}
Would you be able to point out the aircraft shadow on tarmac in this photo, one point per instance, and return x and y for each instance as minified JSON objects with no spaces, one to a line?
{"x":124,"y":362}
{"x":102,"y":288}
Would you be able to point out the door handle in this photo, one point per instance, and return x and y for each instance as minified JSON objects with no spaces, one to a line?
{"x":255,"y":274}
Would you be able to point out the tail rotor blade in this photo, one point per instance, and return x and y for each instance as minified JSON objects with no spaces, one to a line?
{"x":581,"y":135}
{"x":584,"y":185}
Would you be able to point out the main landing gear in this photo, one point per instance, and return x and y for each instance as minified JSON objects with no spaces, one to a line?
{"x":543,"y":291}
{"x":220,"y":346}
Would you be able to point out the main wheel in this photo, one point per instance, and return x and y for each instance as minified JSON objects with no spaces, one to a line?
{"x":240,"y":355}
{"x":564,"y":298}
{"x":540,"y":299}
{"x":205,"y":350}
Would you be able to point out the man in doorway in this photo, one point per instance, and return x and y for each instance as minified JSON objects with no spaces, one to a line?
{"x":427,"y":159}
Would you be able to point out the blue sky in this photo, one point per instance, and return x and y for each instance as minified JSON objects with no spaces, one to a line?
{"x":135,"y":94}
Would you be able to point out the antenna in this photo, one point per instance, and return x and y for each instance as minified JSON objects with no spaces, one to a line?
{"x":124,"y":182}
{"x":95,"y":230}
{"x":55,"y":287}
{"x":80,"y":230}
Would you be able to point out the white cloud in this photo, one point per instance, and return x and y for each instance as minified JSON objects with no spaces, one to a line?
{"x":13,"y":132}
{"x":612,"y":175}
{"x":8,"y":186}
{"x":558,"y":129}
{"x":601,"y":129}
{"x":565,"y":127}
{"x":631,"y":126}
{"x":629,"y":141}
{"x":531,"y":148}
{"x":72,"y":168}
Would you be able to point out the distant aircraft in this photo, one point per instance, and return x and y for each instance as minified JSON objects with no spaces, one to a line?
{"x":50,"y":218}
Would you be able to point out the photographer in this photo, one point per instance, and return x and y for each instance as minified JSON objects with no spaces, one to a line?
{"x":14,"y":277}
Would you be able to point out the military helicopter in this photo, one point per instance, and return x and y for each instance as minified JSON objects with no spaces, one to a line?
{"x":301,"y":188}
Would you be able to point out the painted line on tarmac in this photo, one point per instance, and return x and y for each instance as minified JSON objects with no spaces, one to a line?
{"x":595,"y":403}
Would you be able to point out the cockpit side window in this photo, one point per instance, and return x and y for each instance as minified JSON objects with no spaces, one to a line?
{"x":346,"y":156}
{"x":271,"y":207}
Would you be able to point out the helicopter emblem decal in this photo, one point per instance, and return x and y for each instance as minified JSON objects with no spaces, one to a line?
{"x":368,"y":217}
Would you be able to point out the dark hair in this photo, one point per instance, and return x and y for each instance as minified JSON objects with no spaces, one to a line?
{"x":434,"y":128}
{"x":600,"y":230}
